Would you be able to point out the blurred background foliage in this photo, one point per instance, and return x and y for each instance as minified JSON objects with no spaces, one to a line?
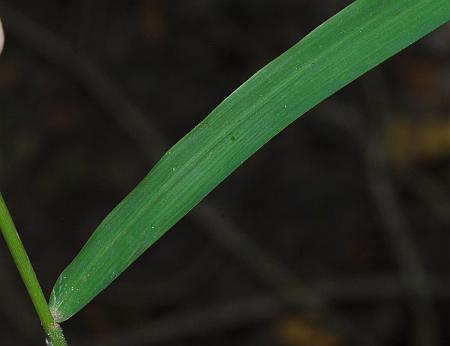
{"x":347,"y":211}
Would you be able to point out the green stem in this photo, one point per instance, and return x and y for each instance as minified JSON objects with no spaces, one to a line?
{"x":52,"y":329}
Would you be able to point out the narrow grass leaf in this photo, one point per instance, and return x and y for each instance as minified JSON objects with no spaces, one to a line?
{"x":344,"y":47}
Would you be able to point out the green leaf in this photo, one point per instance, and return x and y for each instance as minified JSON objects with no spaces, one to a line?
{"x":344,"y":47}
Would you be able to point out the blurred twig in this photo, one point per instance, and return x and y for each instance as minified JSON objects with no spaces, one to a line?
{"x":416,"y":283}
{"x":382,"y":188}
{"x":373,"y":289}
{"x":433,"y":194}
{"x":256,"y":309}
{"x":181,"y":325}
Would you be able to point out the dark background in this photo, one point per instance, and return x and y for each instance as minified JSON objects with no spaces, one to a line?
{"x":336,"y":233}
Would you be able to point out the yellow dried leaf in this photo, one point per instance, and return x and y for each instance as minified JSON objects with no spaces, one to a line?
{"x":299,"y":331}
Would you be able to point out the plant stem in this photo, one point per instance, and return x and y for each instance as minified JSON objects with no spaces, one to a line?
{"x":52,"y":329}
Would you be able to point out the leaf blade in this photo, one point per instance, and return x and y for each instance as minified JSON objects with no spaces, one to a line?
{"x":350,"y":43}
